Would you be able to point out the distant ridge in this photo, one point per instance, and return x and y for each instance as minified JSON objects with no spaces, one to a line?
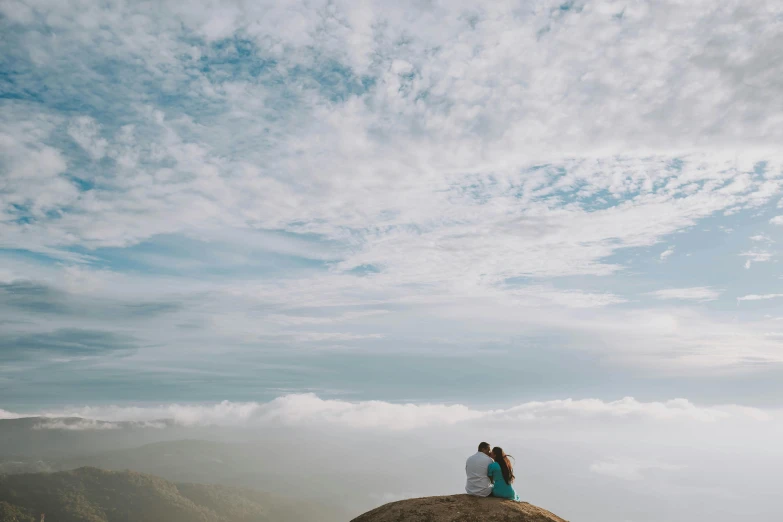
{"x":96,"y":495}
{"x":44,"y":437}
{"x":458,"y":508}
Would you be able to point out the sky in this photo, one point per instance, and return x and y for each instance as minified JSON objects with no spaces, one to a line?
{"x":444,"y":204}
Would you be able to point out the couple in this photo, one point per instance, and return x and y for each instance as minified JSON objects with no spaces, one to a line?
{"x":490,"y":473}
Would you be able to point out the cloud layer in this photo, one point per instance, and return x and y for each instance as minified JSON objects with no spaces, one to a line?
{"x":290,"y":192}
{"x":309,"y":409}
{"x":623,"y":456}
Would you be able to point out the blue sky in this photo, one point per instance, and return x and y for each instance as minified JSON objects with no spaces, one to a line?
{"x":236,"y":201}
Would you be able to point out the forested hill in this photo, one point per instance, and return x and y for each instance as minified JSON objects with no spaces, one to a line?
{"x":96,"y":495}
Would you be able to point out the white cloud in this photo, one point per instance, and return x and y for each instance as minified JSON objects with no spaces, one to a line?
{"x":299,"y":320}
{"x":761,"y":238}
{"x":309,"y":409}
{"x":756,"y":256}
{"x":299,"y":336}
{"x":678,"y":339}
{"x":626,"y":407}
{"x":777,"y":220}
{"x":695,"y":293}
{"x":758,"y":297}
{"x":482,"y":100}
{"x":532,"y":295}
{"x":224,"y":413}
{"x":32,"y":170}
{"x":9,"y":415}
{"x":85,"y":131}
{"x":448,"y":189}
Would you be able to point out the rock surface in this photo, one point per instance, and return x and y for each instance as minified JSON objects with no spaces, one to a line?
{"x":458,"y":508}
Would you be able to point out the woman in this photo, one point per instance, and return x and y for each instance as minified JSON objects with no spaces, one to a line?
{"x":502,"y":474}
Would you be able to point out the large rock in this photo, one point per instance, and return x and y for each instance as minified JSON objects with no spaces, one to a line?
{"x":458,"y":508}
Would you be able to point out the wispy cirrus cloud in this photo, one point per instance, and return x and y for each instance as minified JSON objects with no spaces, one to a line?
{"x":758,"y":297}
{"x":694,"y":293}
{"x":756,"y":256}
{"x":666,"y":253}
{"x":270,"y":178}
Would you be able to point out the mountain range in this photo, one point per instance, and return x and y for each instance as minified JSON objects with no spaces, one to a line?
{"x":95,"y":495}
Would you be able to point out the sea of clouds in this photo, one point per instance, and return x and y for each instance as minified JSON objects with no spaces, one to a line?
{"x":588,"y":459}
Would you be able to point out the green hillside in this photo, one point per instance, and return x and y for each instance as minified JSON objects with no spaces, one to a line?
{"x":96,"y":495}
{"x":11,"y":513}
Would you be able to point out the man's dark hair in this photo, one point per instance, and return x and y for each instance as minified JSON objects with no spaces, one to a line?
{"x":484,"y":446}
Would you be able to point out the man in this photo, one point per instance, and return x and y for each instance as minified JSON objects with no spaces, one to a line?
{"x":476,"y":469}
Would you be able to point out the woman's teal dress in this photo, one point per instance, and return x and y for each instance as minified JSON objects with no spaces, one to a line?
{"x":499,"y":486}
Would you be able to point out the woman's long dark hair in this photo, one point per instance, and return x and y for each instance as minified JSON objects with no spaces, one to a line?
{"x":505,"y":464}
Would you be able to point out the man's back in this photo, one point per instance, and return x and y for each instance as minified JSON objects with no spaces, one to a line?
{"x":478,"y":482}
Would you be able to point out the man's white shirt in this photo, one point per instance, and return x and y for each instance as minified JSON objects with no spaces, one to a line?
{"x":478,"y":481}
